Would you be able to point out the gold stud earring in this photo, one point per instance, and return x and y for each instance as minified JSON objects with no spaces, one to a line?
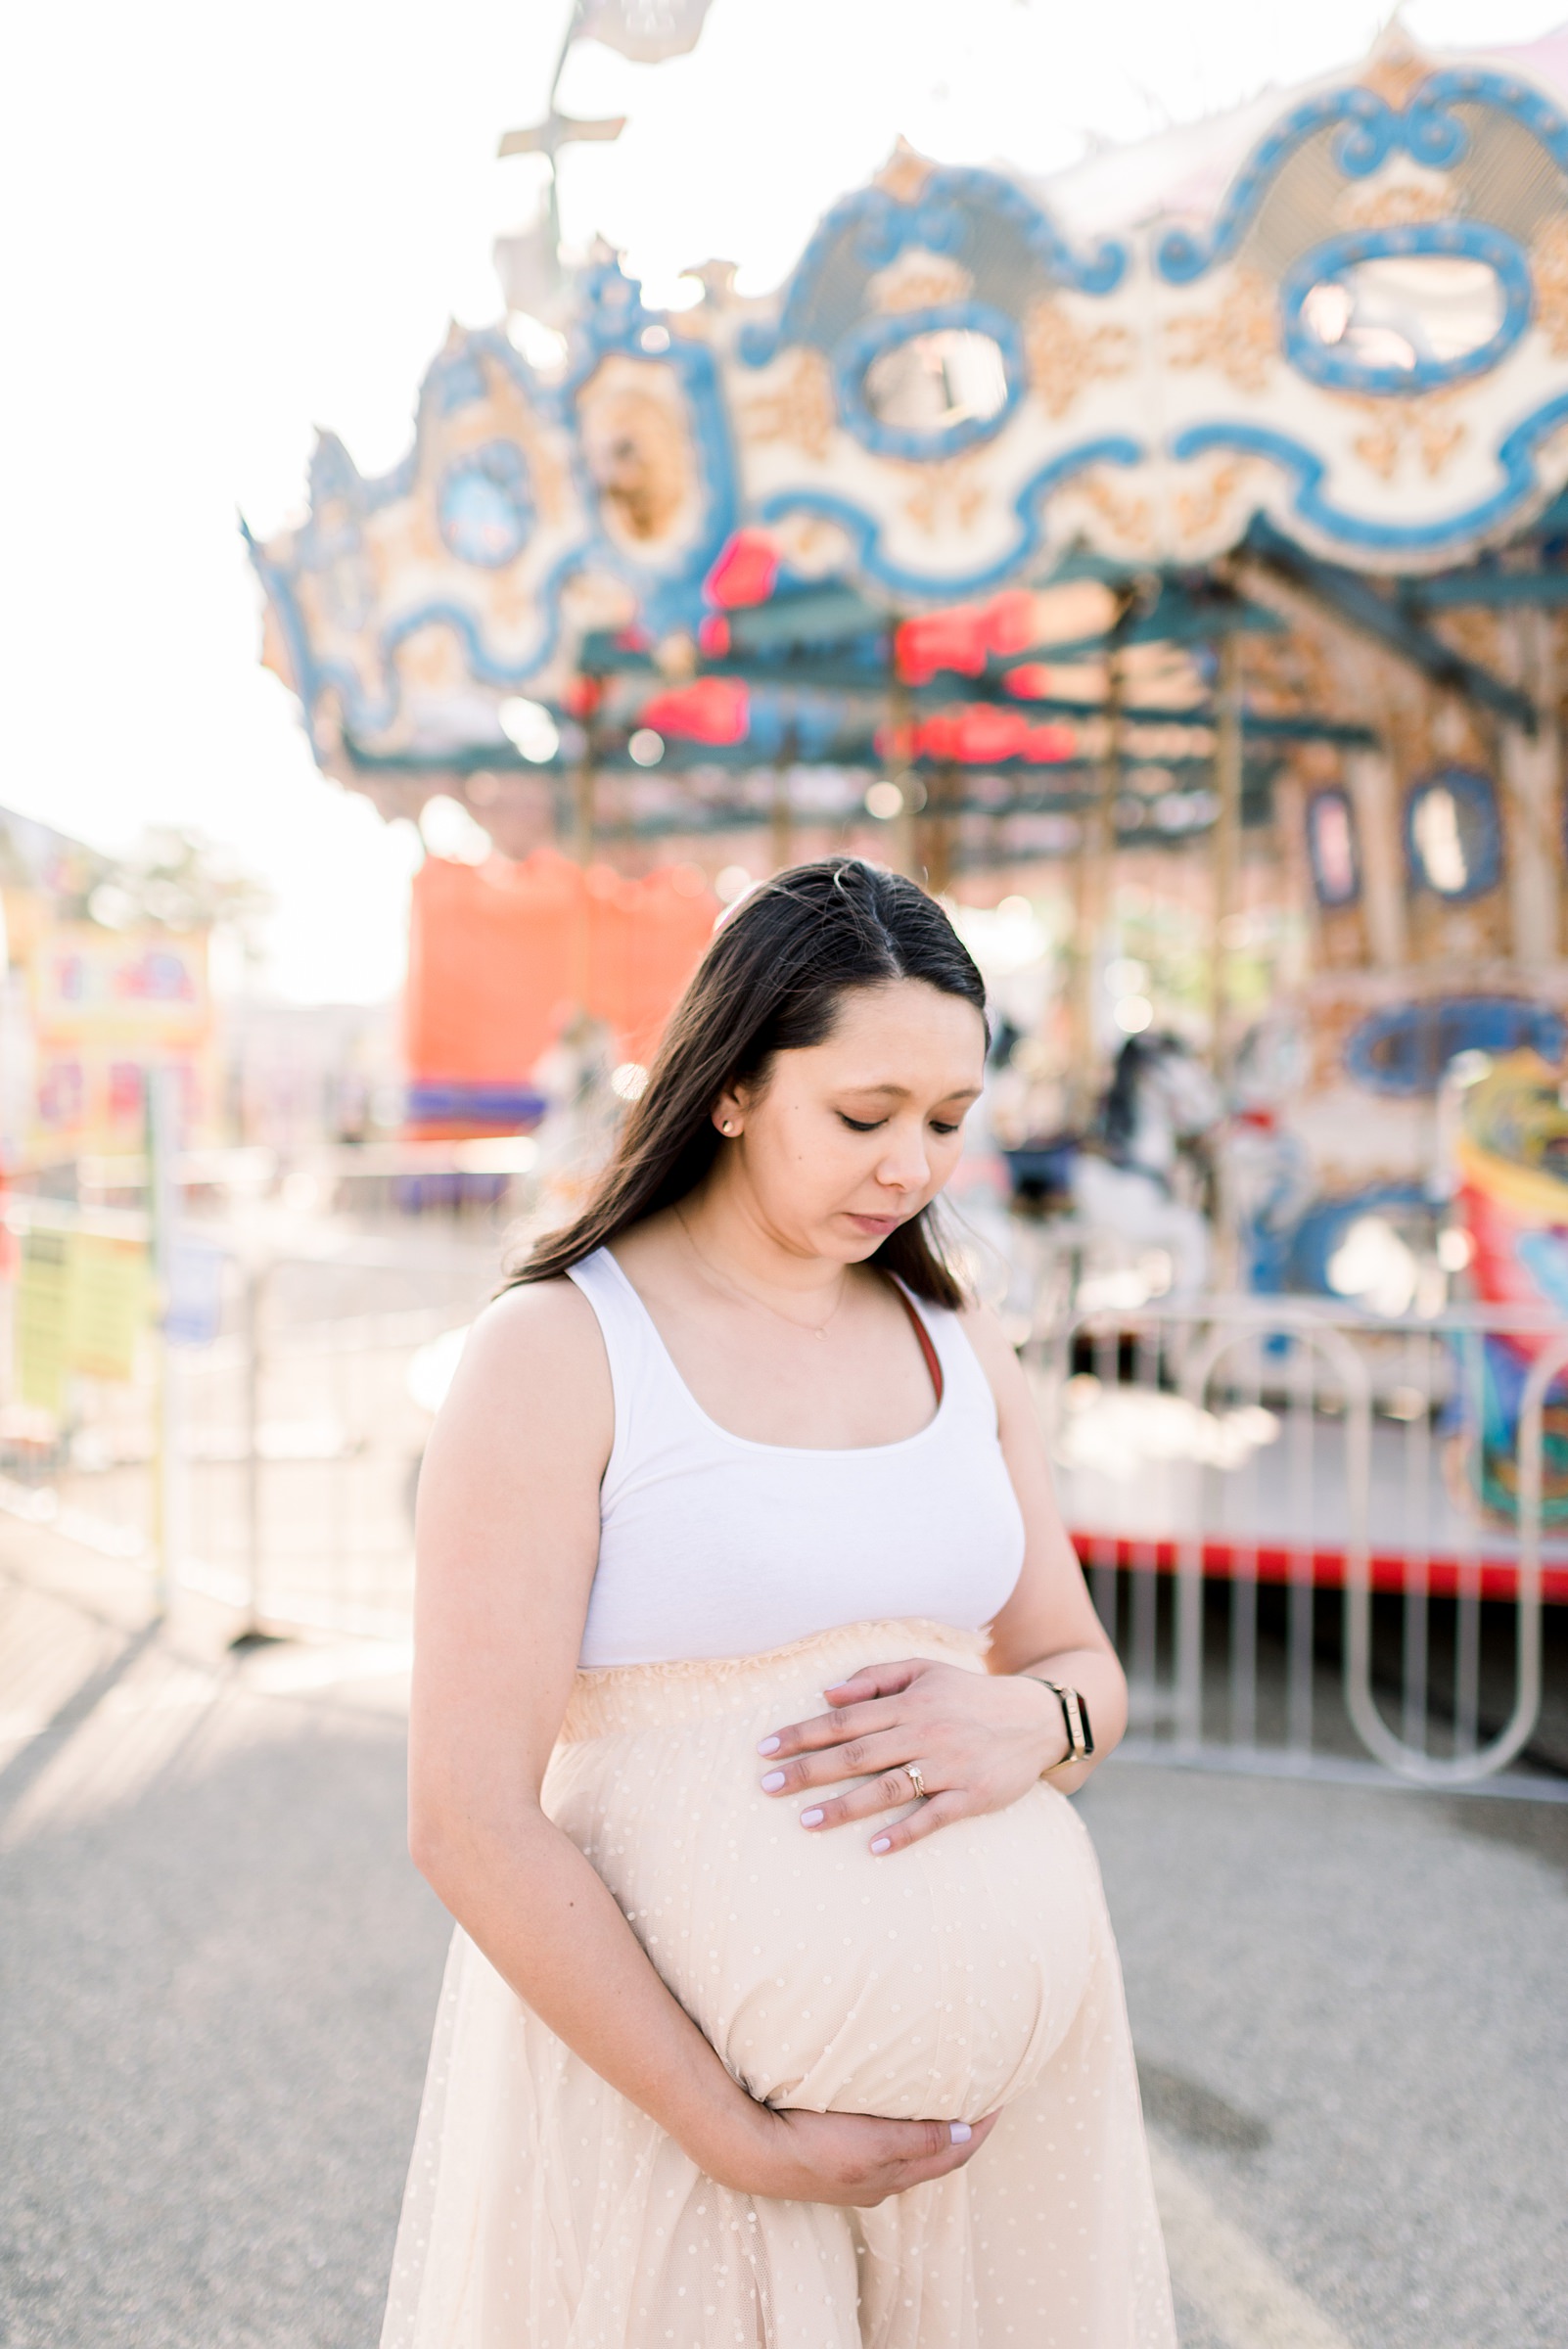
{"x":726,"y":1128}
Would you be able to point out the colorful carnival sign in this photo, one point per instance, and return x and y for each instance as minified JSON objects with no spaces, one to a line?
{"x":108,"y":1006}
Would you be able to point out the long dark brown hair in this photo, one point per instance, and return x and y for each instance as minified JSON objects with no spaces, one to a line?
{"x":770,"y":981}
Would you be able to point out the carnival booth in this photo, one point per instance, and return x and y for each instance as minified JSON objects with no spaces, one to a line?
{"x":506,"y":956}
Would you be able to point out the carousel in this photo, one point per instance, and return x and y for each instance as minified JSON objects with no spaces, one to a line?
{"x":1163,"y":559}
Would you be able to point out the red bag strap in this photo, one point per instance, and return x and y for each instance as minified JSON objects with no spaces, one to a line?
{"x":927,"y":1347}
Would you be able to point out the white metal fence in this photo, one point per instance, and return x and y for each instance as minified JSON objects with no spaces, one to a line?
{"x":299,"y":1446}
{"x":293,"y":1437}
{"x":1323,"y":1541}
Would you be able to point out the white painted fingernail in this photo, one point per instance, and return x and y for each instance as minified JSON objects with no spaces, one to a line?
{"x":769,"y":1745}
{"x":882,"y":1843}
{"x":960,"y":2132}
{"x":773,"y":1781}
{"x":811,"y":1818}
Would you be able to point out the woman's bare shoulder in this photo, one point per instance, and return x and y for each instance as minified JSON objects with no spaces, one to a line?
{"x":537,"y":1346}
{"x":984,"y":1331}
{"x":996,"y":1353}
{"x":530,"y":1314}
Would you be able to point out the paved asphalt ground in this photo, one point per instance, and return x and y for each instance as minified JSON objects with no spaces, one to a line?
{"x":217,"y":1972}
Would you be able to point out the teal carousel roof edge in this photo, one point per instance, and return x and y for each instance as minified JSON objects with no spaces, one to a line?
{"x":780,"y":741}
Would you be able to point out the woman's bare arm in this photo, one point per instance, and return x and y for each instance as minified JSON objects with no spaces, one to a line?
{"x":507,"y":1538}
{"x":1049,"y":1623}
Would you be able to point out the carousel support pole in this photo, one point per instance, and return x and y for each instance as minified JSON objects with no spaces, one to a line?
{"x":584,"y":795}
{"x":782,"y":824}
{"x":1374,"y":793}
{"x":900,"y":766}
{"x":1532,"y":781}
{"x":1096,"y":855}
{"x":939,"y":828}
{"x":1227,"y":773}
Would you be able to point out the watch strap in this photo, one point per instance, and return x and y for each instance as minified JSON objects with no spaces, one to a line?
{"x":1075,"y":1717}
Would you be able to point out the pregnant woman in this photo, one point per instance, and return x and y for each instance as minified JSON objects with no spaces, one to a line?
{"x":752,"y":1669}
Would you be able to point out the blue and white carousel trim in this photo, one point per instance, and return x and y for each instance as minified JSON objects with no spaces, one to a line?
{"x":1146,"y":397}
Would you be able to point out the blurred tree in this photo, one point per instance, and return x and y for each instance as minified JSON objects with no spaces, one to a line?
{"x":177,"y":880}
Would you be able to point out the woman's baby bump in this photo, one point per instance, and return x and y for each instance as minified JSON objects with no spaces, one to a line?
{"x":935,"y":1982}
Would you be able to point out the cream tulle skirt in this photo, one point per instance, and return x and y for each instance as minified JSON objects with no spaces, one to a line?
{"x":974,"y":1971}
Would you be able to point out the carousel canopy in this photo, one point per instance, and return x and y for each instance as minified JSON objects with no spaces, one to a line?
{"x":986,"y":427}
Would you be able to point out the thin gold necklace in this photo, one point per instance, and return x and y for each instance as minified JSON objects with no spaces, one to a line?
{"x":817,"y":1329}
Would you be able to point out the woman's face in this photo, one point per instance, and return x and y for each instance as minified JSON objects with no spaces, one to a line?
{"x":851,"y":1138}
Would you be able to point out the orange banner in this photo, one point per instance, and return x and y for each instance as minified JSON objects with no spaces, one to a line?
{"x":500,"y":955}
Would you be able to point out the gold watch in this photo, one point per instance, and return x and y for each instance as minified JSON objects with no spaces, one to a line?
{"x":1075,"y":1714}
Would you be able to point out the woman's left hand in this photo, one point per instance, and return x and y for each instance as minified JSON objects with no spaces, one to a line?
{"x":978,"y":1742}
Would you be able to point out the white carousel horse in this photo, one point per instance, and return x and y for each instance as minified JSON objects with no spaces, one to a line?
{"x":1160,"y":1096}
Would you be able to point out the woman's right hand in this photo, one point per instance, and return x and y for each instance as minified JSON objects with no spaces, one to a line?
{"x":850,"y":2158}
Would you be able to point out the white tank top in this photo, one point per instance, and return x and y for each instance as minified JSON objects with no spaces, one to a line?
{"x":710,"y":1544}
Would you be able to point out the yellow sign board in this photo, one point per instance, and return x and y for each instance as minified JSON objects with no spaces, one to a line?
{"x":110,"y":1294}
{"x":43,"y":1319}
{"x":82,"y":1303}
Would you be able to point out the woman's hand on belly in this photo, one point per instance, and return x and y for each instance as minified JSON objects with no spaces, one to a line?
{"x":977,"y":1744}
{"x":847,"y":2158}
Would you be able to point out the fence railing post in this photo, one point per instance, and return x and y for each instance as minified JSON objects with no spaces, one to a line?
{"x":253,"y":1303}
{"x":163,"y":1141}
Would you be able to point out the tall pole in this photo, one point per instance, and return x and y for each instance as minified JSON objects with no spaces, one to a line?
{"x":1096,"y":852}
{"x":574,"y":19}
{"x":1227,"y":757}
{"x":552,"y":196}
{"x":253,"y":1279}
{"x":162,"y":1141}
{"x":557,"y":130}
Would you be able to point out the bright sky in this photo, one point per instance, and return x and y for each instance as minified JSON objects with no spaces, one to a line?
{"x":227,"y":225}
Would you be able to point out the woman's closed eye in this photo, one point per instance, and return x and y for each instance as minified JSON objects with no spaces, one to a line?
{"x":869,"y":1125}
